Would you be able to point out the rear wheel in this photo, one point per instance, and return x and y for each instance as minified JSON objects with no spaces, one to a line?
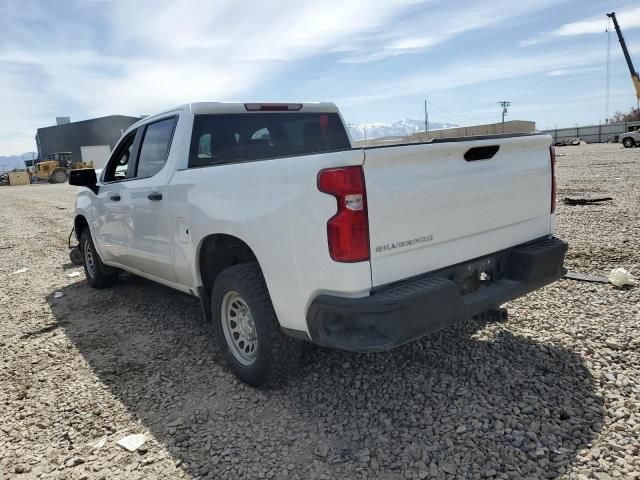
{"x":98,"y":274}
{"x":59,"y":176}
{"x":629,"y":142}
{"x":247,"y":329}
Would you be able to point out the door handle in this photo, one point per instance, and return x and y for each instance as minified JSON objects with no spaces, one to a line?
{"x":155,"y":196}
{"x":115,"y":198}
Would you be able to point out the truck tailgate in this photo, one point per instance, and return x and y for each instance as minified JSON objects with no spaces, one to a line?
{"x":429,"y":207}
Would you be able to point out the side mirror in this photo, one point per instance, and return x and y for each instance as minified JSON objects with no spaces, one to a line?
{"x":85,"y":177}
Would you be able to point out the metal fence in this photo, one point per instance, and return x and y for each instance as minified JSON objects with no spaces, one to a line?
{"x":594,"y":133}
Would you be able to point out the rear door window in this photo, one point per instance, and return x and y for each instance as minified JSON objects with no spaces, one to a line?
{"x":155,"y":146}
{"x":231,"y":138}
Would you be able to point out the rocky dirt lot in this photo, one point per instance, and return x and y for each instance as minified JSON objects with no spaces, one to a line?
{"x":552,"y":393}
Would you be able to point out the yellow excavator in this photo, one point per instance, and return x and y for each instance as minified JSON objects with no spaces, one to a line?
{"x":56,"y":168}
{"x":634,"y":75}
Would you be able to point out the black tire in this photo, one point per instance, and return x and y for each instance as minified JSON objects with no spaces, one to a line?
{"x":98,"y":274}
{"x":628,"y":142}
{"x":59,"y":176}
{"x":276,"y":353}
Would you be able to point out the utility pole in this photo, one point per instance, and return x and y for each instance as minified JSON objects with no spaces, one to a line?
{"x":426,"y":120}
{"x":505,"y":106}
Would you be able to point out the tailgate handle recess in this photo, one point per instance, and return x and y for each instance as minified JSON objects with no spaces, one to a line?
{"x":481,"y":153}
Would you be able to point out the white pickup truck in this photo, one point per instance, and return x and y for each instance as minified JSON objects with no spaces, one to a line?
{"x":285,"y":232}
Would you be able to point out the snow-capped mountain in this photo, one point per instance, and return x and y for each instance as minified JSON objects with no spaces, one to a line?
{"x":403,"y":127}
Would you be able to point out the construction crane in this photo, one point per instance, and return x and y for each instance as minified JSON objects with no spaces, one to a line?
{"x":634,"y":75}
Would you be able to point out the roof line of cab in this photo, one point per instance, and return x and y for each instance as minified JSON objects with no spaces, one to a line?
{"x":236,"y":107}
{"x":233,"y":107}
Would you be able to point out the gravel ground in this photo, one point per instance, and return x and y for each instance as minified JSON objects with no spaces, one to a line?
{"x":552,"y":393}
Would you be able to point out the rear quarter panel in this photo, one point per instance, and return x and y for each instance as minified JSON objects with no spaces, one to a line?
{"x":275,"y":207}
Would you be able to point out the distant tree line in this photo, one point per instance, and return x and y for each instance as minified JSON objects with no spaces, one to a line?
{"x":620,"y":117}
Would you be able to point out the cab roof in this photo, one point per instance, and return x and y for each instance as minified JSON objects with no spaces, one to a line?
{"x":200,"y":108}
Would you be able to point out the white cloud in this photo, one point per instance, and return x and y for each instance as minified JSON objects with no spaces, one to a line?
{"x":446,"y":23}
{"x":498,"y":67}
{"x":227,"y":51}
{"x":136,"y":58}
{"x":628,"y":20}
{"x":560,"y":72}
{"x":154,"y":55}
{"x":253,"y":31}
{"x":541,"y":38}
{"x":563,"y":72}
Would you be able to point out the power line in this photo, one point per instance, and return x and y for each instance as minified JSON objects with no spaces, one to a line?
{"x":459,"y":115}
{"x":442,"y":118}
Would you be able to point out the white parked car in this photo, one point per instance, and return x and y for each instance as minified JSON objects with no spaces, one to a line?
{"x":630,"y":139}
{"x":286,"y":233}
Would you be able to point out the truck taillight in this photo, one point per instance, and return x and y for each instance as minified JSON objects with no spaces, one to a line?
{"x":554,"y":187}
{"x":348,"y":229}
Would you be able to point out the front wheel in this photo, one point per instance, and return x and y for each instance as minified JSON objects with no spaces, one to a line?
{"x":59,"y":176}
{"x":628,"y":142}
{"x":247,"y":329}
{"x":98,"y":274}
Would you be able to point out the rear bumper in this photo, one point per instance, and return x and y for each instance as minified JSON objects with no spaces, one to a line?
{"x":408,"y":310}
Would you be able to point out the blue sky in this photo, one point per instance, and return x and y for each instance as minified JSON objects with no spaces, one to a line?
{"x":376,"y":59}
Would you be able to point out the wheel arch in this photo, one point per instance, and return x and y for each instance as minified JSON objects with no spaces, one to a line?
{"x":80,"y":223}
{"x":218,"y":251}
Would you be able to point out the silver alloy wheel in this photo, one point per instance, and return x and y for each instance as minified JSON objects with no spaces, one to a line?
{"x":239,"y":328}
{"x":89,"y":260}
